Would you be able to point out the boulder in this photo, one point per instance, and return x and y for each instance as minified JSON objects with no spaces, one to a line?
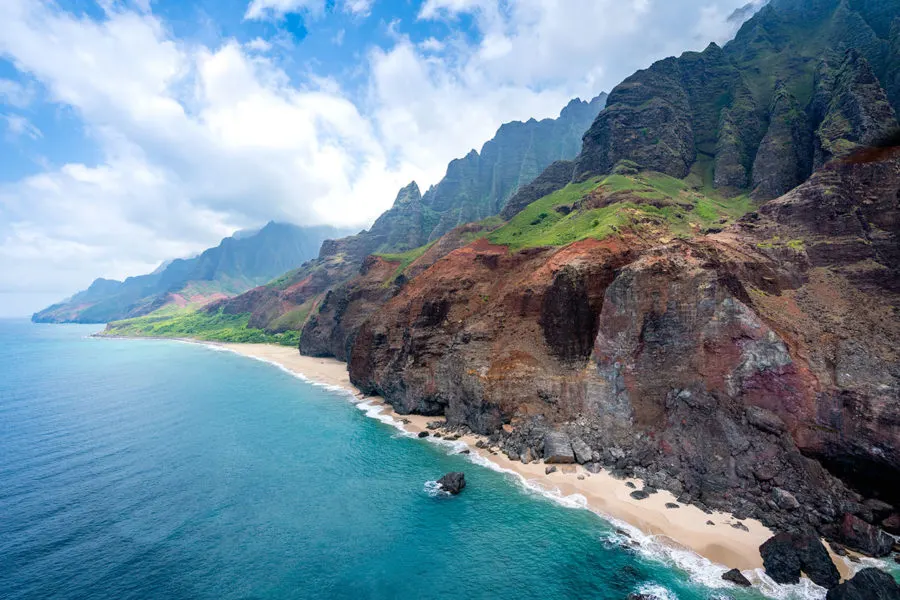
{"x":558,"y":448}
{"x":736,"y":577}
{"x":892,"y":524}
{"x":784,"y":499}
{"x":639,"y":495}
{"x":452,"y":483}
{"x":785,"y":555}
{"x":527,"y":456}
{"x":855,"y":533}
{"x":765,"y":420}
{"x":583,"y":452}
{"x":868,"y":584}
{"x":672,"y":505}
{"x":550,"y":469}
{"x":880,"y":509}
{"x":593,"y":467}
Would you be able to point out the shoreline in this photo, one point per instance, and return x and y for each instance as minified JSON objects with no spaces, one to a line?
{"x":683,"y":533}
{"x":684,"y":528}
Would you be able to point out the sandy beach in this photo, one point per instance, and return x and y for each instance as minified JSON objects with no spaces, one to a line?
{"x":710,"y":536}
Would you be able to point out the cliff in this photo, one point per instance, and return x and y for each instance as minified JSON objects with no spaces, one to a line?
{"x":724,"y":367}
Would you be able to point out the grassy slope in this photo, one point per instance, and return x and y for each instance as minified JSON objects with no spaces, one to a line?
{"x":171,"y":322}
{"x":684,"y":207}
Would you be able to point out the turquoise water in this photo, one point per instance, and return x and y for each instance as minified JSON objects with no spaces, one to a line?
{"x":154,"y":469}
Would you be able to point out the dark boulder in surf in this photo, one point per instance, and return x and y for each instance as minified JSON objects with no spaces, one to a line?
{"x":452,"y":483}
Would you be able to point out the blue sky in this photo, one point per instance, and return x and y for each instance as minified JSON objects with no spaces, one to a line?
{"x":134,"y":131}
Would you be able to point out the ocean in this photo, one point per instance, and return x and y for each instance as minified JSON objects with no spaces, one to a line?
{"x":160,"y":469}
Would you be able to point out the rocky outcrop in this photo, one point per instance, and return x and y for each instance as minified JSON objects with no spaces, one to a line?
{"x":859,"y":535}
{"x":647,"y":121}
{"x":553,"y":178}
{"x":851,"y":107}
{"x":868,"y":584}
{"x":736,"y":577}
{"x":331,"y":330}
{"x":452,"y":483}
{"x":785,"y":555}
{"x":784,"y":158}
{"x":406,"y":224}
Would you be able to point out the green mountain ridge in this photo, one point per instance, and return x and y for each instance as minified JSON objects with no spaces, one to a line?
{"x":234,"y":266}
{"x":684,"y":147}
{"x":802,"y":82}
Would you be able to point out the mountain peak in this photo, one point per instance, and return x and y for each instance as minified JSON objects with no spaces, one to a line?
{"x":408,"y":194}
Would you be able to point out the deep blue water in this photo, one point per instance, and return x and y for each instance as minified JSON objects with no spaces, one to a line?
{"x":154,"y":469}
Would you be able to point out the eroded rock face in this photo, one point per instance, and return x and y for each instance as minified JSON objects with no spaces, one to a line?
{"x":476,"y":338}
{"x":855,"y":533}
{"x":853,"y":106}
{"x":784,"y":158}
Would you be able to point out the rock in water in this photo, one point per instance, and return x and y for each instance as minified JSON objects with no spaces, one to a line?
{"x":859,"y":535}
{"x":785,"y":555}
{"x":452,"y":483}
{"x":868,"y":584}
{"x":558,"y":448}
{"x":736,"y":577}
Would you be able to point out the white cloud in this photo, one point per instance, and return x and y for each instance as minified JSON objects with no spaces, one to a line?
{"x":17,"y":126}
{"x":269,"y":9}
{"x":718,"y":24}
{"x":431,"y":45}
{"x":15,"y":94}
{"x":360,"y":8}
{"x":258,"y":45}
{"x":197,"y":141}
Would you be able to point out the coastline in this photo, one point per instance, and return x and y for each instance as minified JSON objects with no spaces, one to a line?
{"x":683,"y":534}
{"x":685,"y":527}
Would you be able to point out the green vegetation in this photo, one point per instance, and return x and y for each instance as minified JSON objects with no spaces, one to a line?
{"x":173,"y":322}
{"x":777,"y":242}
{"x":406,"y":258}
{"x":293,"y":320}
{"x":597,"y":208}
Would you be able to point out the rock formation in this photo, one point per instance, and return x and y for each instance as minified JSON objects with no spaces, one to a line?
{"x":868,"y":584}
{"x":452,"y":483}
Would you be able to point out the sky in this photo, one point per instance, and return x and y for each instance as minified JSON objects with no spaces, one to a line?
{"x":135,"y":131}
